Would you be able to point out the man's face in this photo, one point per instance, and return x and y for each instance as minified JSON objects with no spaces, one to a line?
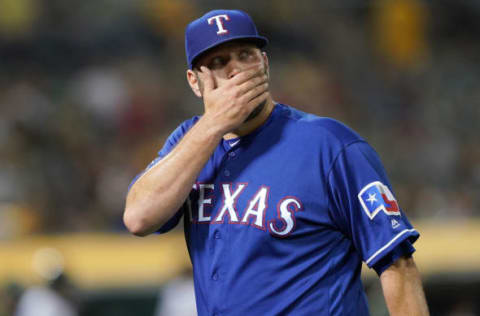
{"x":228,"y":60}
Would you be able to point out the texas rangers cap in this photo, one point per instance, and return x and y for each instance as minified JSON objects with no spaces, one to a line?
{"x":217,"y":27}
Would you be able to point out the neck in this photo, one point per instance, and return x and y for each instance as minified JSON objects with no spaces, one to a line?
{"x":251,"y":125}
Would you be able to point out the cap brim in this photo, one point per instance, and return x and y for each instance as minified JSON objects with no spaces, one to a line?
{"x":260,"y":41}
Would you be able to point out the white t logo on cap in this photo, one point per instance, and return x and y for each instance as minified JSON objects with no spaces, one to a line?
{"x":218,"y":20}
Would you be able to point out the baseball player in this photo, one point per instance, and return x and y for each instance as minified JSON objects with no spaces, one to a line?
{"x":280,"y":207}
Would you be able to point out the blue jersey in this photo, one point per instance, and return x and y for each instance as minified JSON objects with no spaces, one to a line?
{"x":280,"y":220}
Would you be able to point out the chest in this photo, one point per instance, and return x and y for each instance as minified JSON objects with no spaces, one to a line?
{"x":275,"y":187}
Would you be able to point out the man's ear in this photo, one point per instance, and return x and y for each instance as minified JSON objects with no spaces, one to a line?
{"x":265,"y":60}
{"x":192,"y":79}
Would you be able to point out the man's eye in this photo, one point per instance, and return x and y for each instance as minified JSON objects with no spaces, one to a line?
{"x":245,"y":54}
{"x":216,"y":62}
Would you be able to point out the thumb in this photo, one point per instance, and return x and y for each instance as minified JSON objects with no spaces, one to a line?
{"x":207,"y":78}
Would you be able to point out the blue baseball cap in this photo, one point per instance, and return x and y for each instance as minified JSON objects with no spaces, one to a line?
{"x":217,"y":27}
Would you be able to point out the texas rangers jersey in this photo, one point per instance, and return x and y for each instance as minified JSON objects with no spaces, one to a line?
{"x":280,"y":220}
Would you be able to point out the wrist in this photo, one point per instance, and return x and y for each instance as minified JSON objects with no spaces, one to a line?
{"x":210,"y":129}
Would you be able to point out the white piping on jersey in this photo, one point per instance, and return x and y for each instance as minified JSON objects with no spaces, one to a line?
{"x":389,"y":243}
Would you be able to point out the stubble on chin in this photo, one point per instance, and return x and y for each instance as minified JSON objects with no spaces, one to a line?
{"x":256,"y":111}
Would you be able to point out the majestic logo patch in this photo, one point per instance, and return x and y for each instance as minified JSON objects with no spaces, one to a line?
{"x":376,"y":197}
{"x":395,"y":223}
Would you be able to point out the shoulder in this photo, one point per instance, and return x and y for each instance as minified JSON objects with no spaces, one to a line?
{"x":326,"y":128}
{"x":183,"y":128}
{"x":186,"y":125}
{"x":175,"y":137}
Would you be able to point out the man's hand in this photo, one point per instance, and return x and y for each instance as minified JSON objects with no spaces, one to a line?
{"x":228,"y":106}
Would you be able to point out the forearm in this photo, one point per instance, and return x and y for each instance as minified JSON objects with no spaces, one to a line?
{"x":402,"y":289}
{"x":160,"y":192}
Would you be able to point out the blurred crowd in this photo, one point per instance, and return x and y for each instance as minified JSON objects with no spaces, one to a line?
{"x":89,"y":90}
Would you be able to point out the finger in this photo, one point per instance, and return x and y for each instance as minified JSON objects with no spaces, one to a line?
{"x":252,"y":83}
{"x":256,"y":70}
{"x":207,"y":78}
{"x":253,"y":103}
{"x":255,"y":92}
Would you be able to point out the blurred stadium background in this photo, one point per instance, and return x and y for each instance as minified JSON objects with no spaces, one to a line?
{"x":89,"y":90}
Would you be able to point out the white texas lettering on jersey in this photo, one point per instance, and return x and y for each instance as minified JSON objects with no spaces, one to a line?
{"x":202,"y":201}
{"x":286,"y":216}
{"x":218,"y":21}
{"x":254,"y":215}
{"x":229,"y":201}
{"x":256,"y":208}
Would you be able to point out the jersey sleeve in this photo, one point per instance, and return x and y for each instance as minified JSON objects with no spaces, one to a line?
{"x":404,"y":249}
{"x":169,"y":145}
{"x":363,"y":205}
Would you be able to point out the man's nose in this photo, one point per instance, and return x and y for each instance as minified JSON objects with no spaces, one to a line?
{"x":233,"y":68}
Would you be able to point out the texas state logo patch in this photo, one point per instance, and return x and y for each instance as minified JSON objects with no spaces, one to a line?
{"x":376,"y":197}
